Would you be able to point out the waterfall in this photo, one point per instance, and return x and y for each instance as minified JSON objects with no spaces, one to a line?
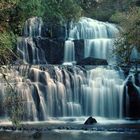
{"x":69,"y":52}
{"x":69,"y":91}
{"x":98,"y":41}
{"x":27,"y":49}
{"x":104,"y":93}
{"x":98,"y":37}
{"x":32,"y":27}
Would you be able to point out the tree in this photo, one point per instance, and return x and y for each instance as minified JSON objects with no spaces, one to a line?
{"x":61,"y":11}
{"x":7,"y":42}
{"x":129,"y":36}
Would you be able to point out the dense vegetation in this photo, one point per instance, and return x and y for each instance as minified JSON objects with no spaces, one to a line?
{"x":129,"y":36}
{"x":14,"y":13}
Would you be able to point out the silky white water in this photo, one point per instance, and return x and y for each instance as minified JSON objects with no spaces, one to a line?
{"x":98,"y":37}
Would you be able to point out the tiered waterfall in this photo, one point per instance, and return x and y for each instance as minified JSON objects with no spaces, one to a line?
{"x":67,"y":91}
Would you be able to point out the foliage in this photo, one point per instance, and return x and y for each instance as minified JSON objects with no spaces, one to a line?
{"x":26,"y":9}
{"x":60,"y":11}
{"x":129,"y":35}
{"x":7,"y":41}
{"x":14,"y":105}
{"x":14,"y":13}
{"x":12,"y":102}
{"x":117,"y":17}
{"x":88,"y":6}
{"x":104,"y":9}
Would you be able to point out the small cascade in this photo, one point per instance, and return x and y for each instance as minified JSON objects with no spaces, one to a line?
{"x":135,"y":55}
{"x":98,"y":48}
{"x":88,"y":28}
{"x":104,"y":93}
{"x":27,"y":49}
{"x":69,"y":52}
{"x":98,"y":37}
{"x":32,"y":27}
{"x":22,"y":88}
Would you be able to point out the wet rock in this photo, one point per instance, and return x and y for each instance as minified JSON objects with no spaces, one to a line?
{"x":36,"y":135}
{"x":79,"y":49}
{"x":53,"y":49}
{"x":53,"y":30}
{"x":133,"y":102}
{"x":90,"y":121}
{"x":137,"y":2}
{"x":92,"y":61}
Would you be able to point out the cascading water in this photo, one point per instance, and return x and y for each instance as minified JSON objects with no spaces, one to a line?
{"x":26,"y":47}
{"x":33,"y":27}
{"x":67,"y":91}
{"x":69,"y":52}
{"x":104,"y":93}
{"x":98,"y":37}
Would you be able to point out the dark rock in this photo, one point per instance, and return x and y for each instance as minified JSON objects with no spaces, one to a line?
{"x":137,"y":79}
{"x":36,"y":135}
{"x":79,"y":49}
{"x":57,"y":52}
{"x":90,"y":121}
{"x":52,"y":48}
{"x":133,"y":102}
{"x":92,"y":61}
{"x":137,"y":2}
{"x":52,"y":30}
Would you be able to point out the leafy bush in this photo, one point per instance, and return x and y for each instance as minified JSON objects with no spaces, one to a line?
{"x":117,"y":17}
{"x":129,"y":36}
{"x":7,"y":43}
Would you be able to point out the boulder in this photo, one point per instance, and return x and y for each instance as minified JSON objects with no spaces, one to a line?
{"x":133,"y":102}
{"x":92,"y":61}
{"x":36,"y":135}
{"x":90,"y":121}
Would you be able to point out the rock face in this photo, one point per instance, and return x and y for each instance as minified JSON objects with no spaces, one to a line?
{"x":137,"y":2}
{"x":54,"y":31}
{"x":90,"y":121}
{"x":92,"y":61}
{"x":54,"y":49}
{"x":79,"y":49}
{"x":132,"y":97}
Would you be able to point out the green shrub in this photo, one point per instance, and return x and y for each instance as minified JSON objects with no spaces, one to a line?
{"x":7,"y":43}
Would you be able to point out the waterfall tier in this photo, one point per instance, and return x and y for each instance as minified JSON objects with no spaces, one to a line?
{"x":98,"y":37}
{"x":62,"y":91}
{"x":88,"y":28}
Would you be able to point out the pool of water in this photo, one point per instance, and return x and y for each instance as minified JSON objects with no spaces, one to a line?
{"x":68,"y":135}
{"x":68,"y":128}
